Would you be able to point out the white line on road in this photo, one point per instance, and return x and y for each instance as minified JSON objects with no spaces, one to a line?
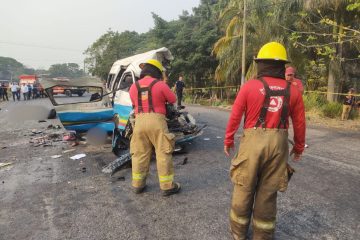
{"x":334,"y":162}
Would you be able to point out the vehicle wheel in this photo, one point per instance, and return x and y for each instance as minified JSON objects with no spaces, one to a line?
{"x":52,"y":114}
{"x":68,"y":93}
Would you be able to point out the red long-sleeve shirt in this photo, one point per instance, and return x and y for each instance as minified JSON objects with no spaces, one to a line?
{"x":160,"y":92}
{"x":249,"y":101}
{"x":297,"y":83}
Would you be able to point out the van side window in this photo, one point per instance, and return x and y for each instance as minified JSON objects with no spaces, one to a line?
{"x":109,"y":80}
{"x":117,"y":80}
{"x":126,"y":83}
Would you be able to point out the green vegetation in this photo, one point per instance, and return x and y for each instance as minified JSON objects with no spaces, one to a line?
{"x":190,"y":38}
{"x":314,"y":101}
{"x":69,"y":70}
{"x":12,"y":69}
{"x":322,"y":38}
{"x":331,"y":110}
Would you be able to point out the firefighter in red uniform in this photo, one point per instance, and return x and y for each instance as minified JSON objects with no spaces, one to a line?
{"x":259,"y":169}
{"x":148,"y":96}
{"x":290,"y":76}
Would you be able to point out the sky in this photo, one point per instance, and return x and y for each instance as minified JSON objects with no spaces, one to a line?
{"x":39,"y":33}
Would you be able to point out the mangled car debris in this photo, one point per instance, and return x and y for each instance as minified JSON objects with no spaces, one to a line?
{"x":107,"y":107}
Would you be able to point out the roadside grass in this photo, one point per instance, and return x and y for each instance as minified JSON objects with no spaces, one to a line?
{"x":318,"y":110}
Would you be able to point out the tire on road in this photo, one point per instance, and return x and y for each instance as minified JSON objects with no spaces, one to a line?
{"x":68,"y":93}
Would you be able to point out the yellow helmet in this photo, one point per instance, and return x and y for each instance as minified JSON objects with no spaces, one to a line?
{"x":272,"y":51}
{"x":153,"y":62}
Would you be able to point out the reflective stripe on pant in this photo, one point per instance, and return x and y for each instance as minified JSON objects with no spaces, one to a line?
{"x":258,"y":171}
{"x":150,"y":132}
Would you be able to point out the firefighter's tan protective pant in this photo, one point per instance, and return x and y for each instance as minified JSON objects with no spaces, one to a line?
{"x":258,"y":172}
{"x":150,"y":132}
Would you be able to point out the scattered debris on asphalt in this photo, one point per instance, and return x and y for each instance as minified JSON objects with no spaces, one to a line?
{"x":45,"y":140}
{"x":117,"y":164}
{"x":206,"y":139}
{"x":54,"y":126}
{"x":69,"y":150}
{"x":55,"y":156}
{"x":69,"y":136}
{"x":41,"y":121}
{"x":121,"y":178}
{"x":54,"y":136}
{"x":218,"y":137}
{"x":5,"y":164}
{"x":35,"y":132}
{"x":78,"y":156}
{"x":184,"y":161}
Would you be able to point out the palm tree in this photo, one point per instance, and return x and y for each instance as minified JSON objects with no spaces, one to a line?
{"x":262,"y":26}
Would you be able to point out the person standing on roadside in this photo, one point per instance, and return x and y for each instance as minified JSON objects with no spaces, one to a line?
{"x":14,"y":91}
{"x":348,"y":103}
{"x":30,"y":88}
{"x":259,"y":169}
{"x":179,"y":87}
{"x":25,"y":91}
{"x":149,"y":96}
{"x":18,"y":92}
{"x":4,"y":92}
{"x":1,"y":91}
{"x":290,"y":76}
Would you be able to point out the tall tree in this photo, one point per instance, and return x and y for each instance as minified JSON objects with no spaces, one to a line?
{"x":12,"y":69}
{"x":108,"y":48}
{"x":262,"y":26}
{"x":330,"y":30}
{"x":190,"y":39}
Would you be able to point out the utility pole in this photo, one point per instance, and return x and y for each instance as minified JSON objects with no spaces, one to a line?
{"x":243,"y":63}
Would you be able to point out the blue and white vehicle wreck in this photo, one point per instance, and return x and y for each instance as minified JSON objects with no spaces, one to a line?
{"x":106,"y":106}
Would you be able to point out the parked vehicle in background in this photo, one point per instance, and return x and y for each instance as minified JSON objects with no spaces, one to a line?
{"x":68,"y":91}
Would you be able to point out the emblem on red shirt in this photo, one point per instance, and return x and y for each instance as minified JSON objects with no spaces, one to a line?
{"x":275,"y":102}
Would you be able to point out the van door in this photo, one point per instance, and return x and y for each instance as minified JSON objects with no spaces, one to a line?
{"x":82,"y":112}
{"x":122,"y":102}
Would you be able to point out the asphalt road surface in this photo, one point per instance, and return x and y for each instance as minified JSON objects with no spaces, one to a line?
{"x":46,"y":198}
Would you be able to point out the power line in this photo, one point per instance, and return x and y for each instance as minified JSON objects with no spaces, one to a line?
{"x":38,"y":46}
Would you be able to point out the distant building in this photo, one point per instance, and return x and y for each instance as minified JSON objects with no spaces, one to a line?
{"x":28,"y":79}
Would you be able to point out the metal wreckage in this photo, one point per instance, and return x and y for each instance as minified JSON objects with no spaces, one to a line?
{"x":107,"y":106}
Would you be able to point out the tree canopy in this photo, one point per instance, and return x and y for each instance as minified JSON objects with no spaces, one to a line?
{"x":69,"y":70}
{"x":12,"y":69}
{"x":322,"y":38}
